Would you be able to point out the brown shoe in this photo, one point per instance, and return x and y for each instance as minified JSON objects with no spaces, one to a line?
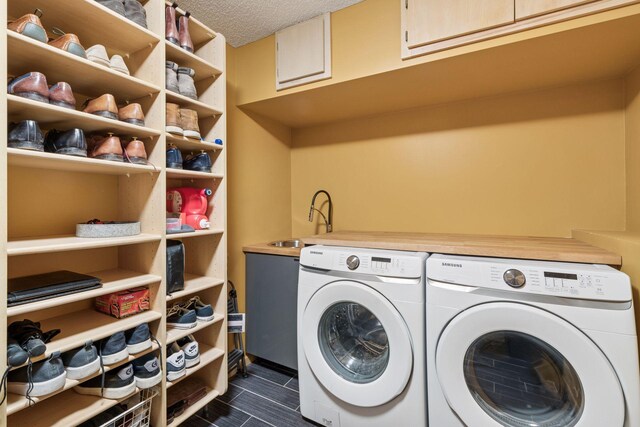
{"x":31,"y":85}
{"x":30,"y":26}
{"x":170,"y":29}
{"x":173,"y":119}
{"x":189,"y":122}
{"x":69,"y":43}
{"x":60,"y":94}
{"x":134,"y":152}
{"x":185,"y":37}
{"x":103,"y":106}
{"x":132,"y":113}
{"x":105,"y":148}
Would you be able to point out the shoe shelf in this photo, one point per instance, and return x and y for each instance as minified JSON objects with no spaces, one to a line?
{"x":53,"y":116}
{"x":191,"y":410}
{"x":174,"y":334}
{"x":16,"y":403}
{"x":186,"y":144}
{"x":52,"y":161}
{"x":38,"y":245}
{"x":187,"y":174}
{"x":197,"y":233}
{"x":94,"y":23}
{"x":64,"y":410}
{"x":194,"y":284}
{"x":203,"y":110}
{"x":207,"y":355}
{"x":184,"y":58}
{"x":112,"y":281}
{"x":83,"y":75}
{"x":81,"y":326}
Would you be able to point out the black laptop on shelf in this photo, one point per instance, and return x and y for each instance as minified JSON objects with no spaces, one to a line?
{"x":27,"y":289}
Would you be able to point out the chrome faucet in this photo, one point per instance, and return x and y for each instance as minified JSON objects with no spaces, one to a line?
{"x":328,"y":222}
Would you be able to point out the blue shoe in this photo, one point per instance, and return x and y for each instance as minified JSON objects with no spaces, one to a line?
{"x":39,"y":379}
{"x":146,"y":370}
{"x":191,"y":350}
{"x":200,"y":162}
{"x":174,"y":157}
{"x":204,"y":312}
{"x":181,"y":318}
{"x":176,"y":365}
{"x":81,"y":362}
{"x":138,"y":339}
{"x":113,"y":349}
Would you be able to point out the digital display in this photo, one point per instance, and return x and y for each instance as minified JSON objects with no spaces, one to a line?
{"x":376,"y":259}
{"x":561,"y":276}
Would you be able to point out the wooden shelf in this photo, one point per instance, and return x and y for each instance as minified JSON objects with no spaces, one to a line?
{"x":90,"y":21}
{"x":84,"y":76}
{"x":203,"y":69}
{"x":174,"y":334}
{"x":203,"y":110}
{"x":186,"y":174}
{"x":197,"y":233}
{"x":51,"y":116}
{"x":186,"y":144}
{"x":78,"y":327}
{"x":52,"y":161}
{"x":194,"y":284}
{"x":207,"y":355}
{"x":64,"y":410}
{"x":38,"y":245}
{"x":112,"y":281}
{"x":16,"y":403}
{"x":191,"y":410}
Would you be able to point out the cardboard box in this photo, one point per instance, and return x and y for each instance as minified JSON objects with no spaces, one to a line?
{"x":124,"y":303}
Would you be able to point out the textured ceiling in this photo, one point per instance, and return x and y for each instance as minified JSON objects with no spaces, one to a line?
{"x":245,"y":21}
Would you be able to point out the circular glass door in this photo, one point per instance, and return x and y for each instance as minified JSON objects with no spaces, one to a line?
{"x":514,"y":365}
{"x":356,"y":343}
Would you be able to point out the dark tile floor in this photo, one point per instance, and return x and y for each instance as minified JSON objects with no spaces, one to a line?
{"x":267,"y":397}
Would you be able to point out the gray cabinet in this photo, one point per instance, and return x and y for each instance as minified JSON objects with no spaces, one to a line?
{"x":272,"y":298}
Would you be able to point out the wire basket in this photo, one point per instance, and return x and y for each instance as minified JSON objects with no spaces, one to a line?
{"x":138,"y":415}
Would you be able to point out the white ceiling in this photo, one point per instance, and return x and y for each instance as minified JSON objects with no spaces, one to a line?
{"x":245,"y":21}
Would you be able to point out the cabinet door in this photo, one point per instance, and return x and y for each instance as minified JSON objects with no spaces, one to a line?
{"x":530,"y":8}
{"x":429,"y":21}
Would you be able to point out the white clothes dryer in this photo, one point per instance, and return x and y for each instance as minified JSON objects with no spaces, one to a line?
{"x":529,"y":343}
{"x":361,"y":337}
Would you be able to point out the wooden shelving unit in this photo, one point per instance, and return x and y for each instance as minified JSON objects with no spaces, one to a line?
{"x":47,"y":194}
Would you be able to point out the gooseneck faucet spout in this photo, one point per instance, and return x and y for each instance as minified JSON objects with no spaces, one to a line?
{"x":328,"y":221}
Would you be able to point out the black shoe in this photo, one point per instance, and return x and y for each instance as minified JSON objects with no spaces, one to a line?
{"x":200,"y":162}
{"x":30,"y":337}
{"x":71,"y":142}
{"x":26,"y":135}
{"x":174,"y":157}
{"x":115,"y":384}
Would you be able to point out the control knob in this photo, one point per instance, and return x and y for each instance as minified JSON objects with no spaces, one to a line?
{"x":514,"y":278}
{"x":353,"y":262}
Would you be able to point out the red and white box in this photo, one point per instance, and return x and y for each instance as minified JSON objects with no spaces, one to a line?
{"x":124,"y":303}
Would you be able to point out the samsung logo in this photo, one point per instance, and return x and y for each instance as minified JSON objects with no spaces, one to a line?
{"x":450,"y":264}
{"x":316,"y":253}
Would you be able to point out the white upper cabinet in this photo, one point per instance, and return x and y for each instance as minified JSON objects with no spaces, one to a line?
{"x":303,"y":52}
{"x":530,"y":8}
{"x":430,"y":21}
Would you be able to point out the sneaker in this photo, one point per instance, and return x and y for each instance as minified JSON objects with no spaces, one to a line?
{"x":181,"y":318}
{"x":134,"y":11}
{"x":200,"y":162}
{"x":138,"y":339}
{"x":176,"y":363}
{"x":171,"y":75}
{"x":114,"y":384}
{"x":174,"y":157}
{"x":204,"y":312}
{"x":81,"y":362}
{"x":191,"y":350}
{"x":26,"y":135}
{"x":146,"y":370}
{"x":113,"y":349}
{"x":30,"y":337}
{"x":16,"y":355}
{"x":116,"y":5}
{"x":39,"y":379}
{"x":186,"y":85}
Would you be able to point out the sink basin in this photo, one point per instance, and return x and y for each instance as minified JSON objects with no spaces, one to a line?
{"x":288,"y":244}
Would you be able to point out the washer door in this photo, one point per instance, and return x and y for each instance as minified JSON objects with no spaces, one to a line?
{"x":357,"y":344}
{"x":510,"y":364}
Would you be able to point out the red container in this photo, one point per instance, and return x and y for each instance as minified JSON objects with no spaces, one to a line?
{"x":192,"y":204}
{"x":124,"y":303}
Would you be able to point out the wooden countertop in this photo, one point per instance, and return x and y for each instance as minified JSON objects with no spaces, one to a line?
{"x":538,"y":248}
{"x":266,"y":248}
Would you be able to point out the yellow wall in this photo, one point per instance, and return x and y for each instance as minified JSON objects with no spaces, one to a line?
{"x":633,"y":151}
{"x":540,"y":163}
{"x":259,"y":186}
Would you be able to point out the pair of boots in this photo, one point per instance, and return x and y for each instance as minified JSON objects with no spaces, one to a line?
{"x":180,"y":80}
{"x":177,"y":34}
{"x":182,"y":121}
{"x":130,"y":9}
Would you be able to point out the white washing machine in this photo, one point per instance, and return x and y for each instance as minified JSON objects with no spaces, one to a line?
{"x":361,"y":349}
{"x":528,"y":343}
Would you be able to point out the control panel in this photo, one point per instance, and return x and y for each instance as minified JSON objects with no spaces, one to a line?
{"x":581,"y":281}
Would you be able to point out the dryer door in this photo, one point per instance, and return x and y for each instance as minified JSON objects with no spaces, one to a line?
{"x":511,"y":364}
{"x":357,"y":344}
